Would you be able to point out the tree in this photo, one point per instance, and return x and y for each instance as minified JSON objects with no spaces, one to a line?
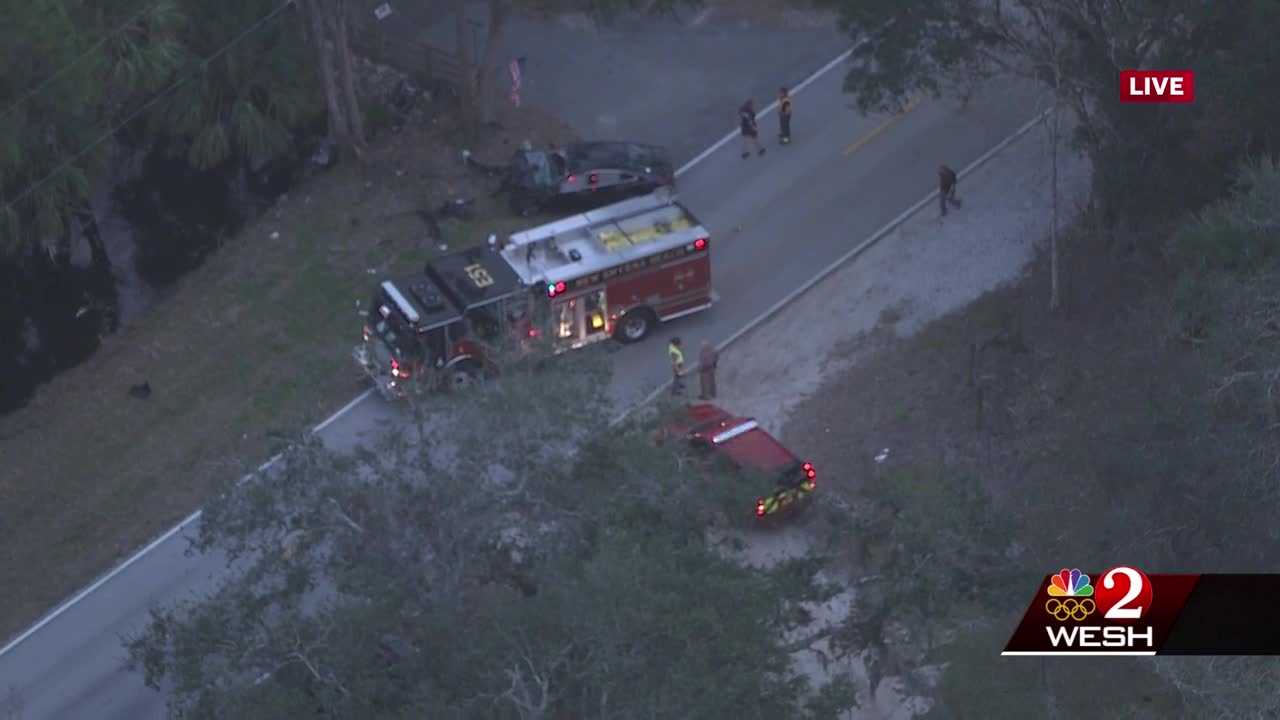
{"x":1076,"y":48}
{"x":72,"y":74}
{"x":325,"y":23}
{"x":498,"y":559}
{"x":932,"y":547}
{"x":245,"y":104}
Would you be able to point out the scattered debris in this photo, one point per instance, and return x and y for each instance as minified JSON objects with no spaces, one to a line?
{"x":325,"y":155}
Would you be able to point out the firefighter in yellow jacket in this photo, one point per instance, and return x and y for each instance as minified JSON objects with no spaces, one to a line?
{"x":677,"y":366}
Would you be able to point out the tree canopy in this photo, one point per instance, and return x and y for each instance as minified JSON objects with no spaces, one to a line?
{"x":1075,"y":49}
{"x":69,"y":74}
{"x":505,"y":557}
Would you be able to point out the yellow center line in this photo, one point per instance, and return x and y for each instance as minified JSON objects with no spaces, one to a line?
{"x":860,"y":142}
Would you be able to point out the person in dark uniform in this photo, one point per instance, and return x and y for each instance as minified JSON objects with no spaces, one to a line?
{"x":784,"y":116}
{"x":750,"y":132}
{"x":707,"y":361}
{"x":947,"y":182}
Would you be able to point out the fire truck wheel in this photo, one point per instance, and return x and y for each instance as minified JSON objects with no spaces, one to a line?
{"x":635,"y":325}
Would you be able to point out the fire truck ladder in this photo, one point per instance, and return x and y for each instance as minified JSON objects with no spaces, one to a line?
{"x":585,"y":223}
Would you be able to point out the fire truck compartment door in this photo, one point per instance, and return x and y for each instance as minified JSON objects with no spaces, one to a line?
{"x":581,"y":319}
{"x":595,"y":314}
{"x":566,"y":323}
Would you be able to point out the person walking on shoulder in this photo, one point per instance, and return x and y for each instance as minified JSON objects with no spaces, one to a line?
{"x":947,"y":182}
{"x":707,"y":361}
{"x":750,"y":131}
{"x":784,"y":116}
{"x":677,"y":366}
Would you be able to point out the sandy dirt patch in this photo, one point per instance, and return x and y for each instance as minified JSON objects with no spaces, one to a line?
{"x":928,"y":267}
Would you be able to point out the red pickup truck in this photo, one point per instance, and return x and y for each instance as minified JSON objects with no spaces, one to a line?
{"x":749,"y":448}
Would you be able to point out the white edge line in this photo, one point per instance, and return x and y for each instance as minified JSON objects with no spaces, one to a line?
{"x":345,"y":409}
{"x":771,"y":107}
{"x":109,"y":576}
{"x":1081,"y":653}
{"x":100,"y":582}
{"x":825,"y":272}
{"x":67,"y":605}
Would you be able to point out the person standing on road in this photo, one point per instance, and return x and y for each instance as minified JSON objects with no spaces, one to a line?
{"x":677,"y":366}
{"x":784,"y":116}
{"x":707,"y":361}
{"x":750,"y":131}
{"x":947,"y":182}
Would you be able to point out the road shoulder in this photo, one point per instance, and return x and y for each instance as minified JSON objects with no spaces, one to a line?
{"x":809,"y":357}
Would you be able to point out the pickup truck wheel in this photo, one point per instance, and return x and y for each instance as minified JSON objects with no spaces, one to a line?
{"x":464,"y":375}
{"x":635,"y":325}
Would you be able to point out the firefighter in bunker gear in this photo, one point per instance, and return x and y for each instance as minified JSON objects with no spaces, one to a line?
{"x":677,"y":366}
{"x":947,"y":182}
{"x":750,"y":131}
{"x":784,"y":116}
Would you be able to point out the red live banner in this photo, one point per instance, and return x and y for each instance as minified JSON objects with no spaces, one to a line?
{"x":1124,"y":611}
{"x":1157,"y":86}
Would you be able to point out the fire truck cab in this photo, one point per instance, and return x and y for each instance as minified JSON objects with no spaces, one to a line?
{"x":438,"y":329}
{"x":615,"y":272}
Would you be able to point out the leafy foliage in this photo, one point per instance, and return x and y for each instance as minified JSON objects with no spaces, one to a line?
{"x":1075,"y":49}
{"x":247,"y":102}
{"x":499,"y":558}
{"x":68,"y":77}
{"x":932,"y":547}
{"x":1167,"y":461}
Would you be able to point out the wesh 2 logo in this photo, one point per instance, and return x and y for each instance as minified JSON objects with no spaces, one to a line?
{"x":1157,"y":86}
{"x":1079,"y":616}
{"x":1072,"y":614}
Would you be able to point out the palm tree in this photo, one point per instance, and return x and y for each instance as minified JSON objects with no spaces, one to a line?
{"x":244,"y":105}
{"x":67,"y":76}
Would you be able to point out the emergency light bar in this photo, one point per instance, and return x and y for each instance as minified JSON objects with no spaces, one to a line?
{"x":400,"y":301}
{"x":732,"y":433}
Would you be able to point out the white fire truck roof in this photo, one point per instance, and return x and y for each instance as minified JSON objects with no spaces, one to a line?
{"x":601,"y":239}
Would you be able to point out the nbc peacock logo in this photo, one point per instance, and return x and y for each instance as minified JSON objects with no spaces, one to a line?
{"x":1070,"y":583}
{"x":1070,"y":596}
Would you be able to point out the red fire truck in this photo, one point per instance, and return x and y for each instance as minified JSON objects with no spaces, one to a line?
{"x":614,"y":272}
{"x":617,"y":271}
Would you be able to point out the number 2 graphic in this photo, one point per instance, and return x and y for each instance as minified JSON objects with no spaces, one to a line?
{"x":1121,"y":611}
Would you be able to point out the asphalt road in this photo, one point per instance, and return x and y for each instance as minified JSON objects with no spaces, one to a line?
{"x":775,"y":221}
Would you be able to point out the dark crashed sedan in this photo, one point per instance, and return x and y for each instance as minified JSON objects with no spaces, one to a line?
{"x":586,"y":175}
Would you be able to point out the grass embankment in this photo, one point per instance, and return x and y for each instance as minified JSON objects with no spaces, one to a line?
{"x":243,"y":354}
{"x":1136,"y":426}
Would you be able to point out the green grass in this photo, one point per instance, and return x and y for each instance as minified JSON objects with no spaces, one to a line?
{"x":251,"y":347}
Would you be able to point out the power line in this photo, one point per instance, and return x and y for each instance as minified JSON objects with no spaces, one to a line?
{"x":146,"y":106}
{"x":92,"y":49}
